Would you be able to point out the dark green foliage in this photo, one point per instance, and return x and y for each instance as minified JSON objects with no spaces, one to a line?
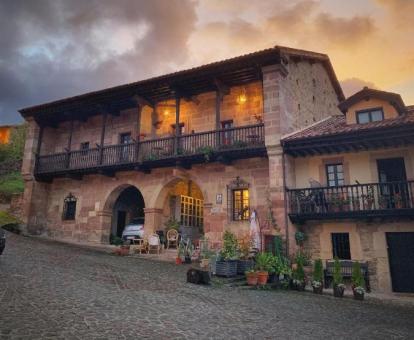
{"x":357,"y":278}
{"x":337,"y":276}
{"x":115,"y":240}
{"x":13,"y":151}
{"x":318,"y":270}
{"x":11,"y":183}
{"x":278,"y":244}
{"x":265,"y":262}
{"x":299,"y":273}
{"x":230,"y":246}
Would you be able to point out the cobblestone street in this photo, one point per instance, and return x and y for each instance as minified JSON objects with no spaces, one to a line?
{"x":50,"y":290}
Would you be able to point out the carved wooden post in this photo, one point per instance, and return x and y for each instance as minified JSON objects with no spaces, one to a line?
{"x":68,"y":149}
{"x":38,"y":147}
{"x":104,"y":118}
{"x":177,"y":123}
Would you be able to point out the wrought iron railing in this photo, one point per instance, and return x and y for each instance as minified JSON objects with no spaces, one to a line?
{"x":349,"y":199}
{"x":245,"y":137}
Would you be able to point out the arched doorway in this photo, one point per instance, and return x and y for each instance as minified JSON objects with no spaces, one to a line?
{"x":184,"y":203}
{"x":128,"y":204}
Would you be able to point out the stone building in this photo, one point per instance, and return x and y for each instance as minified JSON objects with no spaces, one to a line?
{"x":352,"y":188}
{"x":200,"y":145}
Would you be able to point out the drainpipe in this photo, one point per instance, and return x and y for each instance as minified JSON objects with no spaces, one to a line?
{"x":285,"y":203}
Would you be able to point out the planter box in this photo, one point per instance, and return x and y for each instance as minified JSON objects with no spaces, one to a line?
{"x":244,"y":265}
{"x":226,"y":268}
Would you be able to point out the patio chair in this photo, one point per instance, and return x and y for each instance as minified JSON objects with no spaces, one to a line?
{"x":172,"y":238}
{"x":154,"y":243}
{"x":139,"y":245}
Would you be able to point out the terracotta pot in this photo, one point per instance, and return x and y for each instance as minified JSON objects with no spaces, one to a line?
{"x":262,"y":278}
{"x":178,"y":260}
{"x":204,"y":263}
{"x":251,"y":279}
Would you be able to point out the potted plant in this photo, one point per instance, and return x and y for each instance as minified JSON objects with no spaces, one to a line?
{"x":263,"y":266}
{"x":358,"y":282}
{"x":188,"y":252}
{"x":244,"y":263}
{"x":317,"y":279}
{"x":227,"y":264}
{"x":338,"y":284}
{"x":398,"y":201}
{"x":298,"y":277}
{"x":251,"y":277}
{"x":172,"y":223}
{"x":368,"y":199}
{"x":180,"y":253}
{"x":383,"y":202}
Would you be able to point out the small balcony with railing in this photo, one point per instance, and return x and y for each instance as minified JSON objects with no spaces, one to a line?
{"x":358,"y":201}
{"x":222,"y":145}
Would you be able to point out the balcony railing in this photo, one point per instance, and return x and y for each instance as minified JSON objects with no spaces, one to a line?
{"x":244,"y":140}
{"x":352,"y":201}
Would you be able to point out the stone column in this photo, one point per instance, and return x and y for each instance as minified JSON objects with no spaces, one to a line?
{"x":274,"y":113}
{"x":35,"y":193}
{"x":153,"y":220}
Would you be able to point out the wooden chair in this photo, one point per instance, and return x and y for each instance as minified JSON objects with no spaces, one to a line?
{"x":139,"y":245}
{"x":172,"y":238}
{"x":154,"y":243}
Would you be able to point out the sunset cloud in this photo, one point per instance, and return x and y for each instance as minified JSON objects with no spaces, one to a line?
{"x":55,"y":48}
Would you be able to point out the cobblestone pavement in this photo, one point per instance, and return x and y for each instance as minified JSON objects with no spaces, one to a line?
{"x":50,"y":290}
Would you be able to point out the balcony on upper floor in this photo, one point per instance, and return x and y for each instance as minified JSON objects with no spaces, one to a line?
{"x":359,"y":201}
{"x":222,"y":145}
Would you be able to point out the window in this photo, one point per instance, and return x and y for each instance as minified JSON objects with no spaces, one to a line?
{"x":238,"y":200}
{"x":340,"y":246}
{"x":69,"y":207}
{"x":84,"y":146}
{"x":335,"y":175}
{"x":240,"y":204}
{"x":371,"y":115}
{"x":191,"y":211}
{"x":125,"y":138}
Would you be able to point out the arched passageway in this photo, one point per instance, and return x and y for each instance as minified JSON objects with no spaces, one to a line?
{"x":184,"y":202}
{"x":127,"y":203}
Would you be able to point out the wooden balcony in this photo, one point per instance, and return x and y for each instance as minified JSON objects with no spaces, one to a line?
{"x":359,"y":201}
{"x":185,"y":150}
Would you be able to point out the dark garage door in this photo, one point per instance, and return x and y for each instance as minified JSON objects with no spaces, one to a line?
{"x":401,"y":257}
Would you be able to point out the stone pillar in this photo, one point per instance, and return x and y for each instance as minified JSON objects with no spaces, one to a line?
{"x":274,"y":111}
{"x":35,"y":193}
{"x":153,"y":220}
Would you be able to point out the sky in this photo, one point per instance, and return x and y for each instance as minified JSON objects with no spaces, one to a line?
{"x":51,"y":49}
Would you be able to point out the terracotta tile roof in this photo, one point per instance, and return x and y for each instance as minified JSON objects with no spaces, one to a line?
{"x":336,"y":125}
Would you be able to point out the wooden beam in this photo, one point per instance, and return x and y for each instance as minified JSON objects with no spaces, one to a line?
{"x":139,"y":112}
{"x":192,"y":99}
{"x":218,"y":102}
{"x":222,"y":88}
{"x":141,"y":101}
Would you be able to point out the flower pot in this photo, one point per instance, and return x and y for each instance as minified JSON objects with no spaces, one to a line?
{"x":205,"y":263}
{"x":318,"y":290}
{"x":178,"y":260}
{"x":244,"y":265}
{"x":227,"y":268}
{"x":299,"y":286}
{"x":251,"y":279}
{"x":187,"y":260}
{"x":262,"y":277}
{"x":358,"y":296}
{"x":338,"y":291}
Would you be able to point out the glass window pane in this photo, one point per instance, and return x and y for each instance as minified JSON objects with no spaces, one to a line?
{"x":363,"y":117}
{"x":339,"y":168}
{"x":376,"y":115}
{"x":340,"y":175}
{"x":331,"y":176}
{"x":330,"y":168}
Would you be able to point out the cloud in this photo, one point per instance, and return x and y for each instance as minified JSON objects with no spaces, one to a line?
{"x":55,"y":48}
{"x":353,"y":85}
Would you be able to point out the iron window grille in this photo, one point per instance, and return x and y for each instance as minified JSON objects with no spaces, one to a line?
{"x":340,"y":246}
{"x":69,"y":208}
{"x":238,"y":202}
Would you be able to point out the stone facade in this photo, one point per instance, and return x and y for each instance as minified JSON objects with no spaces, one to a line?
{"x":291,"y":96}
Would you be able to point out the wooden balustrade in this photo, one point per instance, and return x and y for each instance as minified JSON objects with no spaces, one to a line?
{"x":351,"y":200}
{"x":246,"y":137}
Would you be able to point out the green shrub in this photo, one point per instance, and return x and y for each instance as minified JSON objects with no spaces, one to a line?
{"x":265,"y":262}
{"x":230,"y":246}
{"x":10,"y":184}
{"x":115,"y":240}
{"x":9,"y":222}
{"x":357,"y":278}
{"x":337,"y":275}
{"x":318,"y":271}
{"x":299,"y":274}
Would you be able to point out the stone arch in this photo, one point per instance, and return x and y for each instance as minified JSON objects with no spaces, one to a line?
{"x":125,"y":198}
